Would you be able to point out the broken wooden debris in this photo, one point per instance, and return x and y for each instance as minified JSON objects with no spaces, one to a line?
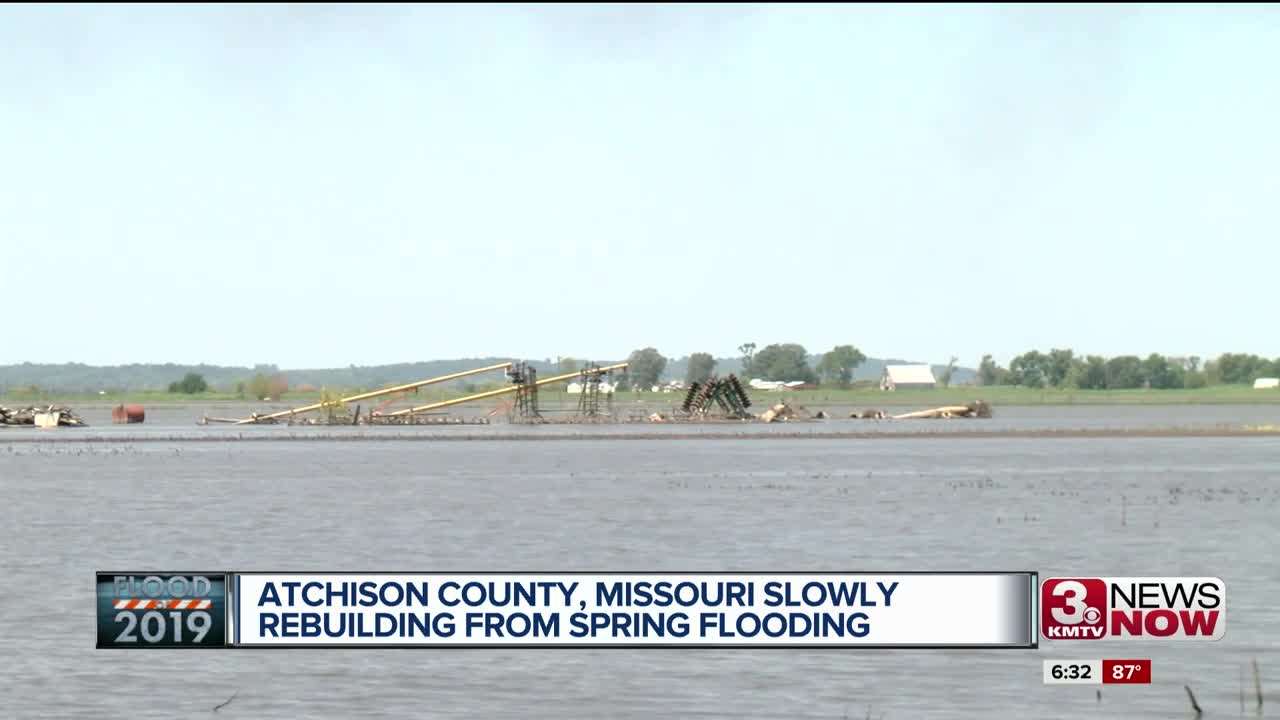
{"x":45,"y":417}
{"x":782,"y":412}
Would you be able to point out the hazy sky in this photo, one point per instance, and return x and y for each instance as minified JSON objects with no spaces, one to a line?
{"x":327,"y":185}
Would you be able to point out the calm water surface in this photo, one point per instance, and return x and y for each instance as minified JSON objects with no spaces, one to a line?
{"x":1191,"y":506}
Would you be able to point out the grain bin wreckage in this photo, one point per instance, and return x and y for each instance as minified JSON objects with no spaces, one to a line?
{"x":714,"y":399}
{"x":523,"y":379}
{"x":524,"y":383}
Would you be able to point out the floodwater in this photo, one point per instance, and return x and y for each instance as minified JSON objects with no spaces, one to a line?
{"x":178,"y":422}
{"x":1110,"y":506}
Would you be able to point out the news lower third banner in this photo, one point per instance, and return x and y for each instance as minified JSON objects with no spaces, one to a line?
{"x":567,"y":610}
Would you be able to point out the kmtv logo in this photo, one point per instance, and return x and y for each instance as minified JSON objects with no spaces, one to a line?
{"x":1133,"y":608}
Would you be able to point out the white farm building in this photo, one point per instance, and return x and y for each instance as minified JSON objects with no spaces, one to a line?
{"x":907,"y":377}
{"x":575,"y":388}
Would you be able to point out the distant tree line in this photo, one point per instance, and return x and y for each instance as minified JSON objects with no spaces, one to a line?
{"x":1062,"y":368}
{"x":784,"y":362}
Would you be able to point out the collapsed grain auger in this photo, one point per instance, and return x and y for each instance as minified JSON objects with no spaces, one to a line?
{"x":976,"y":409}
{"x":276,"y":416}
{"x":524,"y":383}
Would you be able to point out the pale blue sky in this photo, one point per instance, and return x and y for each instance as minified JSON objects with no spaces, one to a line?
{"x":323,"y":186}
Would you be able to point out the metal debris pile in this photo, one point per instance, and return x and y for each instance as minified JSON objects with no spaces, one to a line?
{"x":715,"y":396}
{"x":48,"y":416}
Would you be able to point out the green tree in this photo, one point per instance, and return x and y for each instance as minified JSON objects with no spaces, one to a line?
{"x":1093,"y":375}
{"x":1212,"y":374}
{"x":748,"y":351}
{"x":1124,"y":372}
{"x":645,"y":367}
{"x":1240,"y":368}
{"x":258,"y":387}
{"x":837,"y":366}
{"x":1058,"y":366}
{"x":567,"y":365}
{"x":190,"y":384}
{"x":948,"y":373}
{"x":1159,"y":373}
{"x":701,"y":365}
{"x":1030,"y":369}
{"x":989,"y":373}
{"x":263,"y":386}
{"x":785,"y":362}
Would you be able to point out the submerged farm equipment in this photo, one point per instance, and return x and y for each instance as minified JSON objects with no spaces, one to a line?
{"x":41,"y":417}
{"x":589,"y":398}
{"x":524,"y":384}
{"x":525,"y":406}
{"x":717,"y":397}
{"x":334,"y":408}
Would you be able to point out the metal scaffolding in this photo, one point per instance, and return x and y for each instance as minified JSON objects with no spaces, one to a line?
{"x":525,"y":407}
{"x":590,"y":380}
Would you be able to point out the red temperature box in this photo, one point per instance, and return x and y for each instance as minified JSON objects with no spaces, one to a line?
{"x":1126,"y":672}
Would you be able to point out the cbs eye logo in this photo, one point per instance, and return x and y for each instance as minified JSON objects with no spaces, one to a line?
{"x":1073,"y":608}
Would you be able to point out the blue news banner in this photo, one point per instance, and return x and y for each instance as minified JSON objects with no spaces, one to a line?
{"x":567,"y":609}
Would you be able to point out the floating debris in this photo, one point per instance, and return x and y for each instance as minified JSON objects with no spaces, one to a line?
{"x":44,"y":417}
{"x":783,"y":412}
{"x":128,"y":414}
{"x":976,"y":409}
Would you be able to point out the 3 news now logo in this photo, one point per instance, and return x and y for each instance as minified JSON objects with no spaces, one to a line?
{"x":1133,"y":608}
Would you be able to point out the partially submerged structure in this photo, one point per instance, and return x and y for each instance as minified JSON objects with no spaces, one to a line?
{"x":975,"y":409}
{"x":42,"y":417}
{"x":128,"y":414}
{"x":335,"y":409}
{"x":523,"y":384}
{"x":724,"y":398}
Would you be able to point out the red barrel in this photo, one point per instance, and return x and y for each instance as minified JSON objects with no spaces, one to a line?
{"x":128,"y":414}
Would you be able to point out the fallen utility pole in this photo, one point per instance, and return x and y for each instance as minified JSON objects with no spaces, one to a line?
{"x":371,"y":394}
{"x":503,"y":391}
